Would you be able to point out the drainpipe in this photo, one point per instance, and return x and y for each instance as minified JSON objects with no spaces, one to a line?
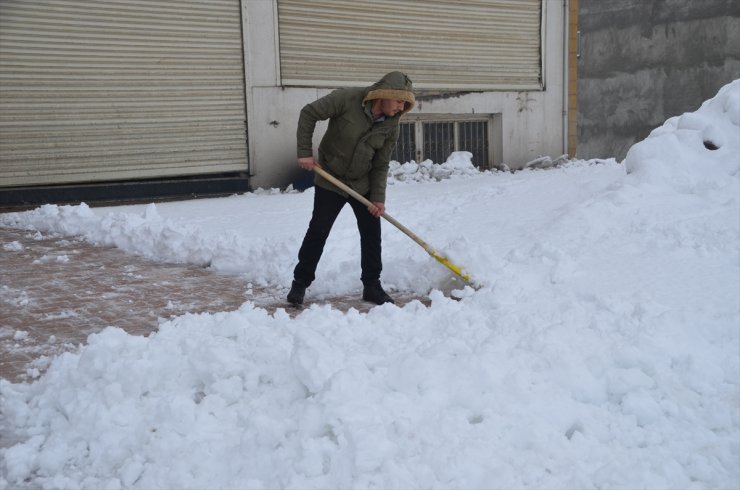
{"x":565,"y":77}
{"x":246,"y":63}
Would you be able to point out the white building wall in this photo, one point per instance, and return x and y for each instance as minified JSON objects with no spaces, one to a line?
{"x":533,"y":123}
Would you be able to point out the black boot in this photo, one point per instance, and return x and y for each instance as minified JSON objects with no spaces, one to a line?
{"x":296,"y":294}
{"x":374,"y":292}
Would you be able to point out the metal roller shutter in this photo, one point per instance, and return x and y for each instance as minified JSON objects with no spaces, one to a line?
{"x":441,"y":44}
{"x":115,"y":90}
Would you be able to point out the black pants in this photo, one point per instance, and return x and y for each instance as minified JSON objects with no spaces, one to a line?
{"x":326,"y":208}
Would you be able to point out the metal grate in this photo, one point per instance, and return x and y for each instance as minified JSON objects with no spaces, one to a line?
{"x":439,"y":140}
{"x":435,"y":140}
{"x":473,"y":137}
{"x":405,"y":150}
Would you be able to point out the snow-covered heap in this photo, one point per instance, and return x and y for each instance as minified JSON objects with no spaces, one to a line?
{"x":458,"y":164}
{"x":693,"y":149}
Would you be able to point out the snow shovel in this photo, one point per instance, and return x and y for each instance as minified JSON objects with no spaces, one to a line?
{"x":438,"y":256}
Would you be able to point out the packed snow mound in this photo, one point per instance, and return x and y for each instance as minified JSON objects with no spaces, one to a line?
{"x":695,"y":148}
{"x":458,"y":164}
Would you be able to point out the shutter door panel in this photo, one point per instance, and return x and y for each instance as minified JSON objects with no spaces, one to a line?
{"x":441,"y":44}
{"x":118,"y":90}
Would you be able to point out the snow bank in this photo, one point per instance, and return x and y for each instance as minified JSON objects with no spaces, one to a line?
{"x":146,"y":233}
{"x":695,"y":149}
{"x":457,"y":396}
{"x":603,"y":351}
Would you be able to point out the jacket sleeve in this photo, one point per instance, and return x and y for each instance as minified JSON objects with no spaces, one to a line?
{"x":321,"y":109}
{"x":379,"y":170}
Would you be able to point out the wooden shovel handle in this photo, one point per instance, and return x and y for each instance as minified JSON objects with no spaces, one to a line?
{"x":441,"y":258}
{"x":366,"y":202}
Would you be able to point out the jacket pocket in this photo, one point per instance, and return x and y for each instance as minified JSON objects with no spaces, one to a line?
{"x":335,"y":166}
{"x":375,"y":141}
{"x":362,"y":160}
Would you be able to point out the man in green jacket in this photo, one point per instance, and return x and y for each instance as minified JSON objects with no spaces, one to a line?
{"x":356,"y":149}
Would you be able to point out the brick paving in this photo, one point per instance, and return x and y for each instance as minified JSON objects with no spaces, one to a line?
{"x":55,"y":291}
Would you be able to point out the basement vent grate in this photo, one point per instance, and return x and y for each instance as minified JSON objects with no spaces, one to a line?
{"x":437,"y":137}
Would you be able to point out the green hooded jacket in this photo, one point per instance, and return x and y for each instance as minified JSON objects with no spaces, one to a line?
{"x":353,"y":149}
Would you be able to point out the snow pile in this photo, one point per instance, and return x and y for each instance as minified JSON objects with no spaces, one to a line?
{"x":399,"y":398}
{"x":146,"y":233}
{"x":458,"y":164}
{"x":695,"y":149}
{"x":603,"y":351}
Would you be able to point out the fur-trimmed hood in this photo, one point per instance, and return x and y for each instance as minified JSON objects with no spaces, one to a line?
{"x":396,"y":86}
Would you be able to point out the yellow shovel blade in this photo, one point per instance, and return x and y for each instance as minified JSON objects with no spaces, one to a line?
{"x":457,"y":270}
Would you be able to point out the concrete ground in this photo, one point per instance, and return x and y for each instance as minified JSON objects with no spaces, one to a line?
{"x":55,"y":291}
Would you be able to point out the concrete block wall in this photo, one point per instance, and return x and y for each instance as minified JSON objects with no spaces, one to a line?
{"x":643,"y":61}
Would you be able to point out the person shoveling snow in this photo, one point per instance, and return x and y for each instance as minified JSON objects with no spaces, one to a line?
{"x":356,"y":149}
